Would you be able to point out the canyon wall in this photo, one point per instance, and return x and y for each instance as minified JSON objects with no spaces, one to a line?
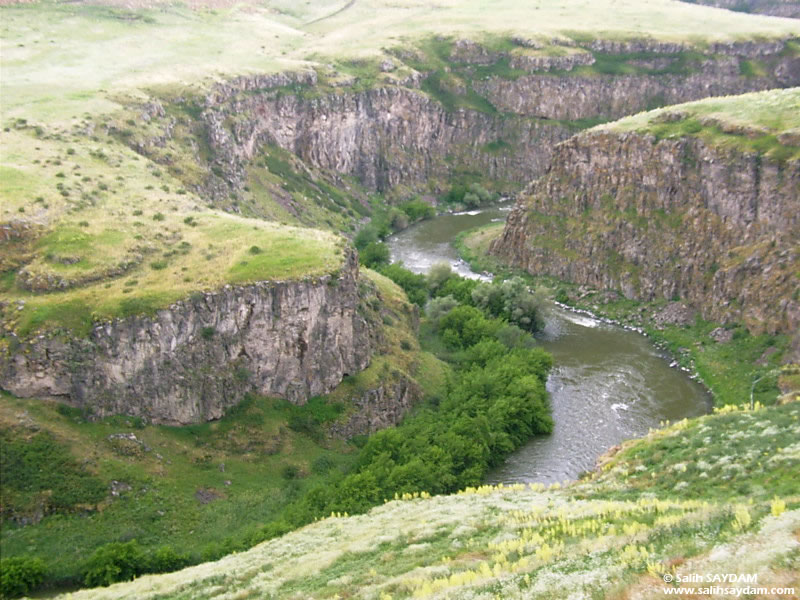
{"x":496,"y":115}
{"x":191,"y":361}
{"x":670,"y":218}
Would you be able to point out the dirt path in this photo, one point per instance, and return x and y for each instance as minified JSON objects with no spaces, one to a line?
{"x":333,"y":14}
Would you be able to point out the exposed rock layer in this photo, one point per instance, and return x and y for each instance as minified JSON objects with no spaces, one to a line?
{"x":379,"y":408}
{"x":674,"y":218}
{"x":398,"y":135}
{"x":190,"y":362}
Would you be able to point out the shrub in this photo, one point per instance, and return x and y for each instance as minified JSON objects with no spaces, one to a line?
{"x":375,"y":254}
{"x":438,"y":308}
{"x":366,"y":236}
{"x":117,"y":561}
{"x":290,"y":472}
{"x":165,"y":559}
{"x":322,"y":465}
{"x":207,"y":333}
{"x":398,"y":220}
{"x":158,"y":216}
{"x":438,"y":276}
{"x":418,"y":210}
{"x":413,"y":284}
{"x":20,"y":575}
{"x":255,"y":250}
{"x":158,"y":265}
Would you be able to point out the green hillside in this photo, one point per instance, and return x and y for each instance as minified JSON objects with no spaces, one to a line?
{"x":714,"y":495}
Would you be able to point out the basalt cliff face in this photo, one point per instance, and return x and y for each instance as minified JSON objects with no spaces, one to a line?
{"x":718,"y":228}
{"x":490,"y":114}
{"x":190,"y":362}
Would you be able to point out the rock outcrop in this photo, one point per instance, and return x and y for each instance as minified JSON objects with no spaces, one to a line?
{"x":421,"y":130}
{"x":675,"y":218}
{"x":386,"y":137}
{"x":191,"y":361}
{"x":377,"y":409}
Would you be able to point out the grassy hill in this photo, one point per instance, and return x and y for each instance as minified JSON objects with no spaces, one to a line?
{"x":714,"y":495}
{"x":767,"y":123}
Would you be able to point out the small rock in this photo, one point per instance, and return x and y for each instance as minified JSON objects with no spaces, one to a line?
{"x":721,"y":335}
{"x":206,"y":495}
{"x":675,"y":313}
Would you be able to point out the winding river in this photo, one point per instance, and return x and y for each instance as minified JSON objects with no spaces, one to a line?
{"x":608,"y":384}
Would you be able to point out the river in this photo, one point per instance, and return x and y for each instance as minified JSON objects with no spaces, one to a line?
{"x":607,"y":384}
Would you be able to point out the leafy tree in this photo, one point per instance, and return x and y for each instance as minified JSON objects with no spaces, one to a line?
{"x":367,"y":235}
{"x":512,"y":300}
{"x":438,"y":308}
{"x":417,"y":210}
{"x":20,"y":575}
{"x":374,"y":255}
{"x":438,"y":275}
{"x":117,"y":561}
{"x":413,"y":284}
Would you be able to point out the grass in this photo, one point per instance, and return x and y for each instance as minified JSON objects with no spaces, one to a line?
{"x":233,"y":41}
{"x":752,"y":122}
{"x":242,"y":461}
{"x":203,"y":257}
{"x":712,"y":495}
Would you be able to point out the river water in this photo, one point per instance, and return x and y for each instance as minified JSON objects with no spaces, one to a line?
{"x":607,"y":384}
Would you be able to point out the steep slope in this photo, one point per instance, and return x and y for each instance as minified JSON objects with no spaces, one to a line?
{"x":652,"y":511}
{"x":193,"y":360}
{"x":697,"y":202}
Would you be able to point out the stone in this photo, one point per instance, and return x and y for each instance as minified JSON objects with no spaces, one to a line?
{"x":294,"y":340}
{"x":721,"y":335}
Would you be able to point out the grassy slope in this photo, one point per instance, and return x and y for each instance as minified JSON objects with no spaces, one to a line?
{"x":669,"y":503}
{"x":42,"y":52}
{"x":266,"y":459}
{"x":251,"y":461}
{"x":764,"y":122}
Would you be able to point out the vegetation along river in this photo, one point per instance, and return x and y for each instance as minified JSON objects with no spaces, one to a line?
{"x":607,"y":385}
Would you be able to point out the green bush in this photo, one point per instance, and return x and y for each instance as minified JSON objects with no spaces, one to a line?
{"x":414,"y":285}
{"x":117,"y":561}
{"x":512,"y":301}
{"x":375,"y":255}
{"x":417,"y":210}
{"x":166,"y":559}
{"x":20,"y":575}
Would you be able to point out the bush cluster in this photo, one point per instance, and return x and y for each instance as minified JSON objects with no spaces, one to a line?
{"x":496,"y":400}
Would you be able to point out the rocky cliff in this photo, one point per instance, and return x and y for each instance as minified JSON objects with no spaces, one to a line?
{"x":190,"y":362}
{"x":462,"y":108}
{"x":673,"y":218}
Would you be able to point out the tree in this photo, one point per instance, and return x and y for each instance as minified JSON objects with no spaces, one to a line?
{"x":20,"y":575}
{"x":374,"y":255}
{"x":117,"y":561}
